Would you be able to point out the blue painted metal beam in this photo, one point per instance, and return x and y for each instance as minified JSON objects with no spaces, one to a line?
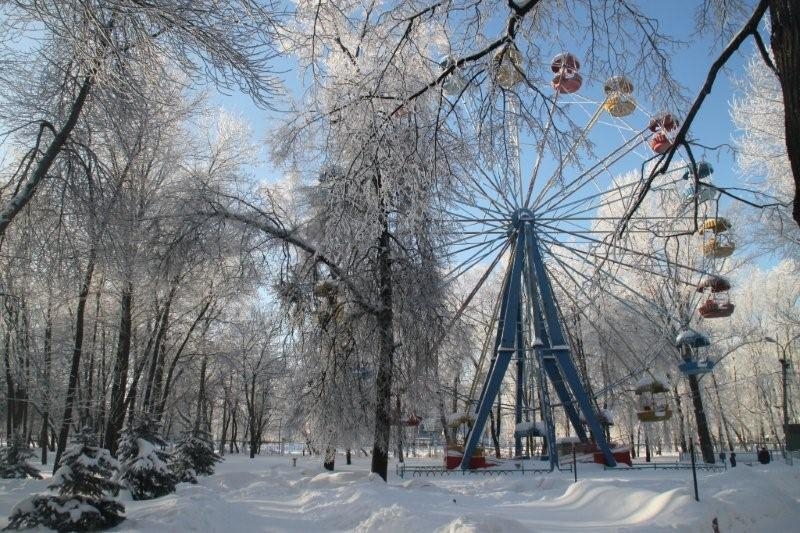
{"x":521,"y":355}
{"x":559,"y":347}
{"x":507,"y":333}
{"x":544,"y":393}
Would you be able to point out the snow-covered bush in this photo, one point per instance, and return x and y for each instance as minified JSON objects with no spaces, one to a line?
{"x":194,"y":456}
{"x":145,"y":471}
{"x":84,"y":484}
{"x":14,"y":460}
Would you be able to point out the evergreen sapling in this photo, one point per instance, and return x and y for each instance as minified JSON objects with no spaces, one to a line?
{"x":145,"y":471}
{"x":194,"y":456}
{"x":84,"y":484}
{"x":14,"y":460}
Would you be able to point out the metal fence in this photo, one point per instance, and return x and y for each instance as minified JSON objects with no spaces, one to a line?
{"x":403,"y":471}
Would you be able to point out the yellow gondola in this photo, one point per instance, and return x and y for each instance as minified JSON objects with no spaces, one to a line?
{"x":653,"y":402}
{"x":718,"y":248}
{"x":619,"y":102}
{"x":717,"y":225}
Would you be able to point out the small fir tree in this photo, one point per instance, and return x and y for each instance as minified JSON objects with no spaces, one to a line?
{"x":145,"y":471}
{"x":194,"y":456}
{"x":14,"y":460}
{"x":84,"y":484}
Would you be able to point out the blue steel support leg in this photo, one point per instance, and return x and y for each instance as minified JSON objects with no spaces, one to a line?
{"x":544,"y":393}
{"x":564,"y":396}
{"x":559,"y":346}
{"x":501,"y":319}
{"x":521,"y":355}
{"x":505,"y":350}
{"x":547,"y":417}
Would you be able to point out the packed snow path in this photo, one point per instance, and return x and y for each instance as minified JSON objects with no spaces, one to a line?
{"x":268,"y":494}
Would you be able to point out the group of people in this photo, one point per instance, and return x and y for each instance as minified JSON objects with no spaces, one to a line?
{"x":763,"y":456}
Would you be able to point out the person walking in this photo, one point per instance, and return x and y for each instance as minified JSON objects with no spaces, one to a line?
{"x":733,"y":460}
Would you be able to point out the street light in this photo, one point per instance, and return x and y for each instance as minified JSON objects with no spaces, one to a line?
{"x":784,"y":368}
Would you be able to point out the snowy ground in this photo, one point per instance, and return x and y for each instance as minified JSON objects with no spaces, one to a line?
{"x":268,"y":494}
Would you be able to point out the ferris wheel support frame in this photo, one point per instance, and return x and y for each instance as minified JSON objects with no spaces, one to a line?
{"x":527,"y":273}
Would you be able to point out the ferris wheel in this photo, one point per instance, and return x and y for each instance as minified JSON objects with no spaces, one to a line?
{"x":552,"y":230}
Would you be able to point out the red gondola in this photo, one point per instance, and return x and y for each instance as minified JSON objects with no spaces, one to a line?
{"x":567,"y":80}
{"x":718,"y":304}
{"x":712,"y":308}
{"x":662,"y":126}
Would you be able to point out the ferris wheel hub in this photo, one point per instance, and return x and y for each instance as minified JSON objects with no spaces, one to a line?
{"x":521,"y":215}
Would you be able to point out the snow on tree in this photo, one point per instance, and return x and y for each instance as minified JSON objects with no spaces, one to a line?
{"x":14,"y":460}
{"x":145,"y":470}
{"x":84,"y":483}
{"x":194,"y":456}
{"x":758,"y":112}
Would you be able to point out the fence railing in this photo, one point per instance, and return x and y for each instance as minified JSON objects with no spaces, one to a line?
{"x":403,"y":471}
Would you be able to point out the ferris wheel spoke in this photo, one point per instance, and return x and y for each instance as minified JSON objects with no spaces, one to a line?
{"x":633,"y":267}
{"x":499,"y":191}
{"x":621,"y":248}
{"x":466,"y":244}
{"x":540,"y":150}
{"x":485,"y":251}
{"x":468,"y":241}
{"x":584,"y":205}
{"x":610,"y":278}
{"x":541,"y":204}
{"x":583,"y":201}
{"x":469,"y":205}
{"x":582,"y":178}
{"x":489,"y":269}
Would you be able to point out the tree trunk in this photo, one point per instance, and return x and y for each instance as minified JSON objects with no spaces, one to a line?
{"x":706,"y":447}
{"x":48,"y":354}
{"x":785,"y":40}
{"x":383,"y":379}
{"x":116,"y":415}
{"x":681,"y":419}
{"x":330,"y":459}
{"x":723,"y":419}
{"x":75,"y":366}
{"x":400,"y":429}
{"x":164,"y":395}
{"x":9,"y":385}
{"x":234,"y":429}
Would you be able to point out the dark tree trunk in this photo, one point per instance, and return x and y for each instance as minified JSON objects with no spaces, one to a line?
{"x":155,"y":374}
{"x":785,"y":40}
{"x":9,"y":384}
{"x":234,"y":428}
{"x":116,"y":415}
{"x":164,"y":395}
{"x":201,"y":395}
{"x":383,"y":379}
{"x":681,"y":420}
{"x":100,"y":422}
{"x":330,"y":459}
{"x":48,"y":354}
{"x":706,"y":447}
{"x":75,"y":366}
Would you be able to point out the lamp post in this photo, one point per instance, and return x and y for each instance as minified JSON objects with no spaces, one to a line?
{"x":784,"y":370}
